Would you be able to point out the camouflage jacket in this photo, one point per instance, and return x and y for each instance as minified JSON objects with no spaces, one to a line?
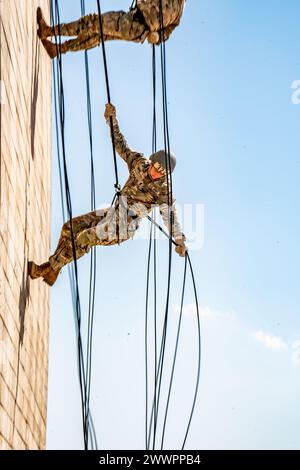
{"x":140,"y":192}
{"x":172,"y":13}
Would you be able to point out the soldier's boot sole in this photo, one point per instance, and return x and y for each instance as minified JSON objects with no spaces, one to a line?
{"x":50,"y":48}
{"x":44,"y":31}
{"x":54,"y":49}
{"x":35,"y":271}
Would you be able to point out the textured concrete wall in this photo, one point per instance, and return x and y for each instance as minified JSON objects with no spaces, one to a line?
{"x":25,"y":188}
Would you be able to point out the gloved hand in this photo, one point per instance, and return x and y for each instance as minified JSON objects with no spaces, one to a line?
{"x":154,"y":38}
{"x":110,"y":111}
{"x":181,"y":247}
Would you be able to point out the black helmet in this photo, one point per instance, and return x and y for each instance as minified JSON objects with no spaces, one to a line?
{"x":162,"y":158}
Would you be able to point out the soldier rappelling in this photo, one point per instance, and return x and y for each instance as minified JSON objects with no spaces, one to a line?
{"x":148,"y":186}
{"x":142,"y":22}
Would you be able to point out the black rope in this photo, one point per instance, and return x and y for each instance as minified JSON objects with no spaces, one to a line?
{"x":93,"y":256}
{"x":159,"y":372}
{"x":146,"y":336}
{"x":59,"y":97}
{"x":133,"y":5}
{"x":175,"y":354}
{"x":152,"y":241}
{"x":187,"y":259}
{"x":117,"y":184}
{"x":170,"y":200}
{"x":199,"y":353}
{"x":155,"y":332}
{"x":85,"y":378}
{"x":154,"y":149}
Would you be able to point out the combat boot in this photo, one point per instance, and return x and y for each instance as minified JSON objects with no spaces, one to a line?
{"x":54,"y":49}
{"x":35,"y":271}
{"x":51,"y":276}
{"x":44,"y":31}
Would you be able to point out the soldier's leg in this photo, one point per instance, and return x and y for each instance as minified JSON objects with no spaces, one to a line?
{"x":73,"y":45}
{"x":116,"y":226}
{"x":91,"y":237}
{"x":126,"y":26}
{"x":93,"y":229}
{"x":84,"y":25}
{"x":107,"y":232}
{"x":88,"y":38}
{"x":64,"y":251}
{"x":116,"y":26}
{"x":87,"y":25}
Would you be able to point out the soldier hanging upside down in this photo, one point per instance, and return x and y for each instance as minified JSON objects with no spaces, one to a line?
{"x":147,"y":186}
{"x":141,"y":22}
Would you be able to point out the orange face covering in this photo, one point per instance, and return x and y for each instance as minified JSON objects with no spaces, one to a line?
{"x":155,"y":174}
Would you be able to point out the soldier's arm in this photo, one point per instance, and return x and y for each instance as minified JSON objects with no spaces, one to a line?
{"x":125,"y":152}
{"x":166,"y":213}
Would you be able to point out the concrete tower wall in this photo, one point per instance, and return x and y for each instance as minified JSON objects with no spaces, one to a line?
{"x":25,"y":189}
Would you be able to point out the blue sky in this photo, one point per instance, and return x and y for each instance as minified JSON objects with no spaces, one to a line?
{"x":235,"y":132}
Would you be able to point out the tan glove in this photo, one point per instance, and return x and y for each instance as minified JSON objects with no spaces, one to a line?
{"x":110,"y":111}
{"x":181,"y":247}
{"x":153,"y":38}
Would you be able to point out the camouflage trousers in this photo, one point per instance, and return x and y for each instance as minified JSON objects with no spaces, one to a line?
{"x":104,"y":227}
{"x":126,"y":26}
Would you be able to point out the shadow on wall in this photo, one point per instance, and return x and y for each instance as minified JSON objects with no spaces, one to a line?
{"x":25,"y":286}
{"x":23,"y":298}
{"x":34,"y":94}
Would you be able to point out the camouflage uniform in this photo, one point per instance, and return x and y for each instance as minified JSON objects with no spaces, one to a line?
{"x":119,"y":223}
{"x":138,"y":24}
